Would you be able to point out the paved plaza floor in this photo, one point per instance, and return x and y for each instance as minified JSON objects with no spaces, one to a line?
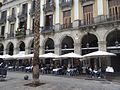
{"x":15,"y":81}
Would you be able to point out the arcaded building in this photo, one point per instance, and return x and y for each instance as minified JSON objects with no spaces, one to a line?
{"x":80,"y":26}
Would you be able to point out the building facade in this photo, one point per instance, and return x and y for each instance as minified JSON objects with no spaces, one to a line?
{"x":80,"y":26}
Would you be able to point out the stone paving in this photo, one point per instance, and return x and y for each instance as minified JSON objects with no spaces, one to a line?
{"x":15,"y":81}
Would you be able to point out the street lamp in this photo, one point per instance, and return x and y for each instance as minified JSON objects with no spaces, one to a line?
{"x":47,"y":47}
{"x":87,"y":45}
{"x":65,"y":46}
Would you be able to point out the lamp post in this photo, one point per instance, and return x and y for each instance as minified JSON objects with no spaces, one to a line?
{"x":65,"y":46}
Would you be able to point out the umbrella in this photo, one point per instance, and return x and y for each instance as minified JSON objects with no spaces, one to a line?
{"x":49,"y":55}
{"x":99,"y":54}
{"x":22,"y":55}
{"x":6,"y":56}
{"x":25,"y":56}
{"x":71,"y":55}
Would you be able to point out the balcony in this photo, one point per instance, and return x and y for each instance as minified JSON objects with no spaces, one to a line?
{"x":49,"y":7}
{"x":85,"y":1}
{"x":2,"y":20}
{"x":2,"y":37}
{"x":100,"y":20}
{"x":32,"y":10}
{"x":47,"y":29}
{"x":66,"y":26}
{"x":20,"y":33}
{"x":12,"y":18}
{"x":22,"y":15}
{"x":66,"y":4}
{"x":87,"y":22}
{"x":10,"y":35}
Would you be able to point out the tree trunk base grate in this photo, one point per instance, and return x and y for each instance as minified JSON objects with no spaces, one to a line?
{"x":34,"y":85}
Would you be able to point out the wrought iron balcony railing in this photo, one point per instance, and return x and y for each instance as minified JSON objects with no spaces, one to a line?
{"x":2,"y":37}
{"x":12,"y":18}
{"x":66,"y":4}
{"x":3,"y":20}
{"x":22,"y":14}
{"x":10,"y":35}
{"x":84,"y":1}
{"x":103,"y":19}
{"x":66,"y":26}
{"x":47,"y":29}
{"x":87,"y":22}
{"x":49,"y":7}
{"x":20,"y":33}
{"x":32,"y":12}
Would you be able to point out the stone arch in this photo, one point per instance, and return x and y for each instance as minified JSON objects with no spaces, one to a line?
{"x":113,"y":46}
{"x":21,"y":46}
{"x":67,"y":44}
{"x":31,"y":46}
{"x":107,"y":33}
{"x":113,"y":38}
{"x":63,"y":36}
{"x":49,"y":45}
{"x":10,"y":48}
{"x":1,"y":49}
{"x":89,"y":43}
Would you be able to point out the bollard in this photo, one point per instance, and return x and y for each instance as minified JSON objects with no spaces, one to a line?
{"x":26,"y":77}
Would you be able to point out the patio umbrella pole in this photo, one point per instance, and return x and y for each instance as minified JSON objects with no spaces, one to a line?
{"x":72,"y":62}
{"x":99,"y":62}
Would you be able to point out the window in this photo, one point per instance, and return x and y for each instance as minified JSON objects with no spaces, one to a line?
{"x":12,"y":28}
{"x":2,"y":30}
{"x":114,"y":8}
{"x":4,"y":15}
{"x":49,"y":20}
{"x":66,"y":19}
{"x":88,"y":14}
{"x":24,"y":8}
{"x":13,"y":11}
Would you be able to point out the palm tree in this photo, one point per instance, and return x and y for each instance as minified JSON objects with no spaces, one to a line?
{"x":35,"y":62}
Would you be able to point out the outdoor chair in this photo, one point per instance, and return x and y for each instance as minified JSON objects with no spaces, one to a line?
{"x":3,"y":72}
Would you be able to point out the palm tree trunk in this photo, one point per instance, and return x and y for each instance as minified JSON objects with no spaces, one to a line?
{"x":35,"y":62}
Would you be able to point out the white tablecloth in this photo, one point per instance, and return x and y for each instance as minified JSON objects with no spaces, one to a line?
{"x":56,"y":69}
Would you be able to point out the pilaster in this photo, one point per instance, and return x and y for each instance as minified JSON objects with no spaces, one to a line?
{"x":28,"y":16}
{"x":7,"y":23}
{"x":57,"y":49}
{"x":17,"y":19}
{"x":41,"y":14}
{"x":77,"y":48}
{"x":76,"y":14}
{"x":102,"y":45}
{"x":76,"y":9}
{"x":100,"y":7}
{"x":57,"y":10}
